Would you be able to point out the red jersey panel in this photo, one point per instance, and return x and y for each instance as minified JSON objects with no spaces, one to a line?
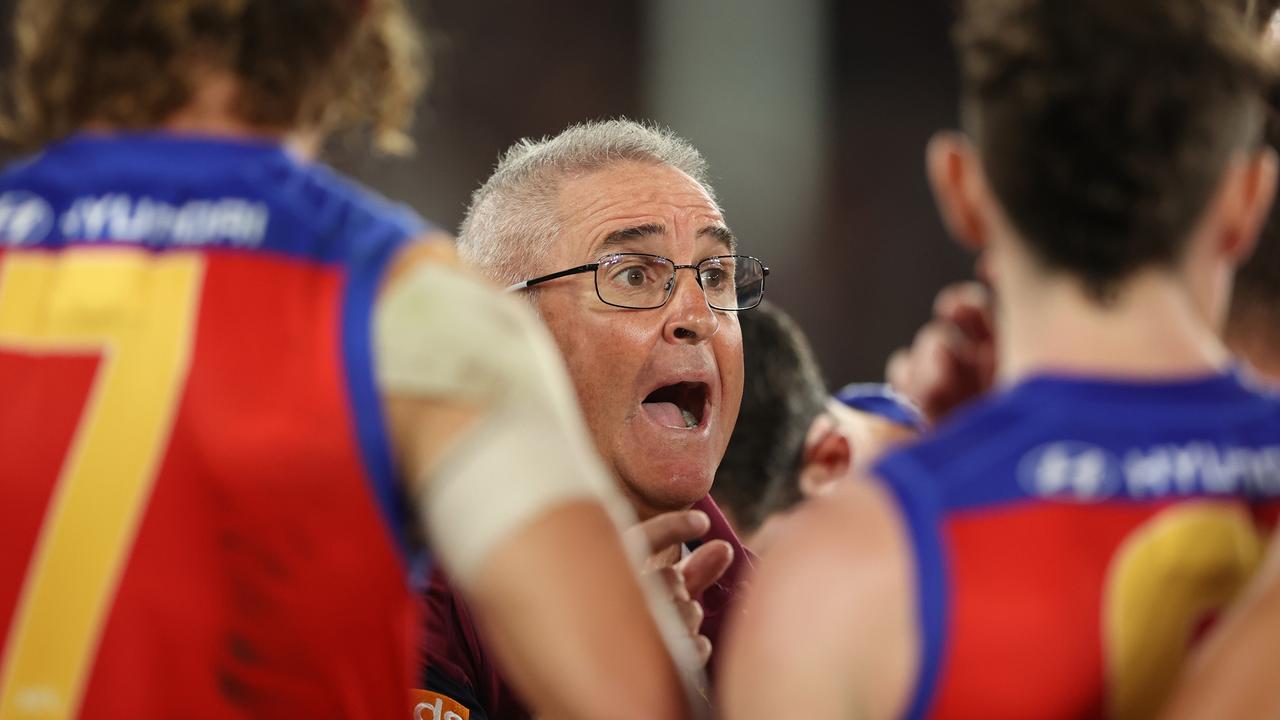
{"x":1073,"y":538}
{"x":199,"y":517}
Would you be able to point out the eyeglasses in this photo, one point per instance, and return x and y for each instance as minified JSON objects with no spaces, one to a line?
{"x":639,"y":281}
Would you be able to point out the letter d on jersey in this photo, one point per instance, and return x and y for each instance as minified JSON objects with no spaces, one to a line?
{"x":434,"y":706}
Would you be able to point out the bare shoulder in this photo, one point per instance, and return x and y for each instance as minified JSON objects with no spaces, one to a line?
{"x":425,"y":412}
{"x":855,"y":530}
{"x":434,"y":248}
{"x":832,"y":601}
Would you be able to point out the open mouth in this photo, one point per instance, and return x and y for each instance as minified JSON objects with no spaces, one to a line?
{"x":681,"y":405}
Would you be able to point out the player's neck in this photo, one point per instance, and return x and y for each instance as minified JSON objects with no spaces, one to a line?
{"x":1151,"y":330}
{"x":210,"y":113}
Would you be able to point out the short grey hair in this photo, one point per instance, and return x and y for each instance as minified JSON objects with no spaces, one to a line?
{"x":514,"y":218}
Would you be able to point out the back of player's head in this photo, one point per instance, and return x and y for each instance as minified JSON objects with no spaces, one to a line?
{"x":130,"y":64}
{"x":1103,"y":127}
{"x":1254,"y":322}
{"x":783,"y":392}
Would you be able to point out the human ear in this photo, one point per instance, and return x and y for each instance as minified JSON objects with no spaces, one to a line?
{"x":954,"y":173}
{"x":828,"y":454}
{"x":1249,"y":186}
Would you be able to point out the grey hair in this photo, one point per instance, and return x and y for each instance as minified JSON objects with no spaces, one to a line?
{"x":513,"y":220}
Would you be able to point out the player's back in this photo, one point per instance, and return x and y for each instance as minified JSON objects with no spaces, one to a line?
{"x":1073,"y":537}
{"x":197,"y":514}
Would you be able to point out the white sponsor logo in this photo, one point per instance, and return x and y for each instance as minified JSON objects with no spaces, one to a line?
{"x":1069,"y":470}
{"x":25,"y":218}
{"x":437,"y":712}
{"x":1201,"y":467}
{"x":118,"y":217}
{"x":1083,"y":472}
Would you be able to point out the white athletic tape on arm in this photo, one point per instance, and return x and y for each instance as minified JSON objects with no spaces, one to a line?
{"x":440,"y":333}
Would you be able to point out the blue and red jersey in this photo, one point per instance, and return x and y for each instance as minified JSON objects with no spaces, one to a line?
{"x":198,"y":513}
{"x":1073,"y":538}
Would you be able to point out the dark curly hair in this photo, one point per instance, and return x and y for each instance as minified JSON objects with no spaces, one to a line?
{"x":327,"y":65}
{"x":1104,"y":125}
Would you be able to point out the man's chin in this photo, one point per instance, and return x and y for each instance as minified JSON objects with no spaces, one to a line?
{"x":653,"y":493}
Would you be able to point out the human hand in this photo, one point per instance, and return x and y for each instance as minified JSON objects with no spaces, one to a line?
{"x":952,"y":359}
{"x":684,"y":579}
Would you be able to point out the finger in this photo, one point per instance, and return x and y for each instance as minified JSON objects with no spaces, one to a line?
{"x":933,"y":362}
{"x":662,"y":531}
{"x":949,"y":370}
{"x":970,"y":322}
{"x":960,"y":296}
{"x":904,"y":369}
{"x":969,"y":307}
{"x":702,"y":644}
{"x":705,"y":565}
{"x":691,"y":614}
{"x":673,"y":581}
{"x":897,"y":371}
{"x":975,"y":322}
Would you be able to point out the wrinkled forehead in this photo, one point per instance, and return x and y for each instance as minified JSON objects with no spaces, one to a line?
{"x":638,"y":207}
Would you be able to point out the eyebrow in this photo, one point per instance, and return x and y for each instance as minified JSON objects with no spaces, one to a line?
{"x":721,"y":234}
{"x":623,"y":238}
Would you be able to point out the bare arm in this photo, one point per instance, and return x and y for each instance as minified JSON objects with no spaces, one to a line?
{"x":516,"y":502}
{"x":1234,"y":673}
{"x":829,"y":629}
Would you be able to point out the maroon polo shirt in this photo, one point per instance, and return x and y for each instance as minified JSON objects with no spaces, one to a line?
{"x":457,"y":665}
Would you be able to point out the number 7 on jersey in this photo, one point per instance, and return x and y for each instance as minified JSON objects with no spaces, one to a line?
{"x":136,"y":312}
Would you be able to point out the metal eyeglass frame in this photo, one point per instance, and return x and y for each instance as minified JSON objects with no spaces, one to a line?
{"x":595,"y":266}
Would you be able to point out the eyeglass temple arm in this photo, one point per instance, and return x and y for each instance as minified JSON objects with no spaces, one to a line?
{"x":589,"y":267}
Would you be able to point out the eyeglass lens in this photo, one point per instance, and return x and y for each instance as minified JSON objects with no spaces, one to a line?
{"x":730,"y":282}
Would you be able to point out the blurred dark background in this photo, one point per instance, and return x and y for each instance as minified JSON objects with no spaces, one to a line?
{"x":813,"y":114}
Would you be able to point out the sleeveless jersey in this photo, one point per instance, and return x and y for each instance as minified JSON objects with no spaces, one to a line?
{"x":198,"y":516}
{"x":1073,"y":537}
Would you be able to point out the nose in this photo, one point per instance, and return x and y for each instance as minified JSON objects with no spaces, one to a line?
{"x":689,"y":319}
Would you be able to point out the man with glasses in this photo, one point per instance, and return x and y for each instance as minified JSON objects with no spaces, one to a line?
{"x":612,"y":233}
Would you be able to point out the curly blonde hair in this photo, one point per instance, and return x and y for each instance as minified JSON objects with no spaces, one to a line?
{"x":325,"y":65}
